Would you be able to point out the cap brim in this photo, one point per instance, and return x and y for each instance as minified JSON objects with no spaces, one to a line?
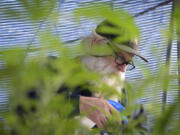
{"x":129,"y":50}
{"x":137,"y":54}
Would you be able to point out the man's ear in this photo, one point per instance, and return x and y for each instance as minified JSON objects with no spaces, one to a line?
{"x":97,"y":35}
{"x":98,"y":39}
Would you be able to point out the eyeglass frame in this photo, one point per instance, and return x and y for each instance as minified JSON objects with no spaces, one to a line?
{"x":125,"y":62}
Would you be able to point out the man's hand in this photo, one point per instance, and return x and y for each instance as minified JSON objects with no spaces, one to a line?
{"x":96,"y":109}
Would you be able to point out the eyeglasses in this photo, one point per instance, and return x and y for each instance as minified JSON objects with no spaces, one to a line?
{"x":119,"y":60}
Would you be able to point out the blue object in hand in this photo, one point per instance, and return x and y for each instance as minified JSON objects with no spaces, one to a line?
{"x":119,"y":108}
{"x":116,"y":105}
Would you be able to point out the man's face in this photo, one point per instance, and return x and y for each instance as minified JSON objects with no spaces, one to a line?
{"x":119,"y":62}
{"x":116,"y":62}
{"x":108,"y":64}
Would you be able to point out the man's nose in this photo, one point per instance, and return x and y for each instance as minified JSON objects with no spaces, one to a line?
{"x":121,"y":68}
{"x":124,"y":67}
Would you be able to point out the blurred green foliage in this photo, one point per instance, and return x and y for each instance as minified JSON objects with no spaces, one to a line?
{"x":34,"y":10}
{"x":118,"y":18}
{"x":34,"y":106}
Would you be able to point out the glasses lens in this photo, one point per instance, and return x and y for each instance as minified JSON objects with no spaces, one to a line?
{"x":120,"y":60}
{"x":130,"y":67}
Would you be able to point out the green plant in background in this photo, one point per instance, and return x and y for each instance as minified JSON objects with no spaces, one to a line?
{"x":34,"y":105}
{"x":34,"y":10}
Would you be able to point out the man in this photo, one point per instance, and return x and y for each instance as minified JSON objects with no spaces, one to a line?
{"x":110,"y":59}
{"x":115,"y":59}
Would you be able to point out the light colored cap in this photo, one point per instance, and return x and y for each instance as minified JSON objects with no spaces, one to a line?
{"x":130,"y":46}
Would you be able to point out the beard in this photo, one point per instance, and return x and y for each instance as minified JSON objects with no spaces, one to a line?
{"x":110,"y":75}
{"x":102,"y":66}
{"x":99,"y":65}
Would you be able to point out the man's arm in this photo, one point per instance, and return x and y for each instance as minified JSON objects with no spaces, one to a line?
{"x":95,"y":109}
